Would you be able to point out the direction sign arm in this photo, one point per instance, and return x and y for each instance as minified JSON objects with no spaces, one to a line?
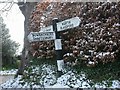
{"x":69,"y":23}
{"x":30,"y":37}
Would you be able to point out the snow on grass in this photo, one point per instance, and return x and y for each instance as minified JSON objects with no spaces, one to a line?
{"x":71,"y":80}
{"x":9,"y":72}
{"x":115,"y":84}
{"x":57,"y":85}
{"x":68,"y":80}
{"x":13,"y":83}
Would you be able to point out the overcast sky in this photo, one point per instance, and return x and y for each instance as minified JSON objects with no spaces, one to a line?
{"x":15,"y":23}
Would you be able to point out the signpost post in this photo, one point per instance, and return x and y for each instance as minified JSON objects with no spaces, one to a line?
{"x":51,"y":33}
{"x":58,"y":49}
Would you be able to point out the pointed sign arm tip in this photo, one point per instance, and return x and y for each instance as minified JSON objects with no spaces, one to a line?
{"x":30,"y":38}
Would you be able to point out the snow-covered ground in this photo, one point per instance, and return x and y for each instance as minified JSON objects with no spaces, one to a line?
{"x":48,"y":79}
{"x":65,"y":81}
{"x":9,"y":72}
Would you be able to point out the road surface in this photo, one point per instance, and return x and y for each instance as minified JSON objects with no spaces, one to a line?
{"x":4,"y":78}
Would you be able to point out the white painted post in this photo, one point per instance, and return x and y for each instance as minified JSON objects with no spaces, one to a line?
{"x":58,"y":49}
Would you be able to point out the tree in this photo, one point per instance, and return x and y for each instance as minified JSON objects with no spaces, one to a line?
{"x":9,"y":47}
{"x":26,"y":9}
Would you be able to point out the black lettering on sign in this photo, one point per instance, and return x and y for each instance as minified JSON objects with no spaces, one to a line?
{"x":35,"y":35}
{"x":48,"y":29}
{"x":67,"y":26}
{"x":42,"y":36}
{"x":45,"y":38}
{"x":66,"y":22}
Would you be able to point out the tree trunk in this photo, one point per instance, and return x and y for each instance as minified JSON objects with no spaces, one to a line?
{"x":26,"y":9}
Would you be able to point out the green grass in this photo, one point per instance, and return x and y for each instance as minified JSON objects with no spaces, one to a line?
{"x":8,"y":68}
{"x":106,"y":72}
{"x":11,"y":66}
{"x":38,"y":61}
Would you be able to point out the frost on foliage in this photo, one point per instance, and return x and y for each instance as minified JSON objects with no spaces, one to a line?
{"x":73,"y":81}
{"x":115,"y":84}
{"x":104,"y":84}
{"x":48,"y":75}
{"x":43,"y":75}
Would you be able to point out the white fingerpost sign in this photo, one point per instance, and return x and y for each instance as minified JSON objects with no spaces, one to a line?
{"x":67,"y":24}
{"x":47,"y":29}
{"x":41,"y":36}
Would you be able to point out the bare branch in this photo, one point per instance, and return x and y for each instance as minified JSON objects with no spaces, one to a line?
{"x":8,"y":1}
{"x":7,"y":7}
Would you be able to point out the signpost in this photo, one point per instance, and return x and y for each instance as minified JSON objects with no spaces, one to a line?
{"x":41,"y":36}
{"x":67,"y":24}
{"x":64,"y":25}
{"x":51,"y":33}
{"x":47,"y":29}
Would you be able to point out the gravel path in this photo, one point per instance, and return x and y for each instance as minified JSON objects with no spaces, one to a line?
{"x":4,"y":78}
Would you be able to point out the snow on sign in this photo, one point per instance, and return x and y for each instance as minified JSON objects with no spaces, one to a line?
{"x":47,"y":29}
{"x":67,"y":24}
{"x":41,"y":36}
